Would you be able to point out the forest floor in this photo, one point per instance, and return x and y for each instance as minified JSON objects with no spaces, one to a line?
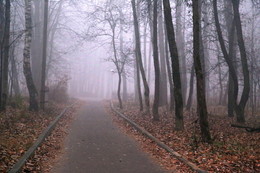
{"x":19,"y":129}
{"x":232,"y":150}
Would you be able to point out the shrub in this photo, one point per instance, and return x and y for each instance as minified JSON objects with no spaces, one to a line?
{"x":57,"y":92}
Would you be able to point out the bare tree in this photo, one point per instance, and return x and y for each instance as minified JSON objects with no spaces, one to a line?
{"x":239,"y":108}
{"x":26,"y":57}
{"x":139,"y":57}
{"x":242,"y":49}
{"x":163,"y":73}
{"x":5,"y":57}
{"x":228,"y":57}
{"x":180,"y":29}
{"x":179,"y":125}
{"x":44,"y":54}
{"x":201,"y":98}
{"x":156,"y":64}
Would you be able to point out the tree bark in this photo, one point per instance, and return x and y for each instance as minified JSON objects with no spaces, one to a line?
{"x":118,"y":68}
{"x":119,"y":90}
{"x":36,"y":46}
{"x":205,"y":40}
{"x":242,"y":49}
{"x":149,"y":8}
{"x":124,"y":78}
{"x":44,"y":54}
{"x":189,"y":101}
{"x":138,"y":84}
{"x":163,"y":73}
{"x":2,"y":21}
{"x":15,"y":82}
{"x":169,"y":71}
{"x":5,"y":57}
{"x":26,"y":58}
{"x":232,"y":55}
{"x":156,"y":64}
{"x":179,"y":125}
{"x":227,"y":57}
{"x":219,"y":77}
{"x":201,"y":100}
{"x":139,"y":56}
{"x":181,"y":47}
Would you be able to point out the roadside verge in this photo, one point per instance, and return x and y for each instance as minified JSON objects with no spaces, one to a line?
{"x":30,"y":152}
{"x":158,"y":142}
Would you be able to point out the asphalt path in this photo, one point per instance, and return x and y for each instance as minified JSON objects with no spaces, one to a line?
{"x":96,"y":145}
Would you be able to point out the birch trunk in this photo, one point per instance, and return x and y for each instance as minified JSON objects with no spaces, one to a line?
{"x":26,"y":58}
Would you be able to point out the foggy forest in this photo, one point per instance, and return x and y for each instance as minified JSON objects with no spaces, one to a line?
{"x":129,"y":86}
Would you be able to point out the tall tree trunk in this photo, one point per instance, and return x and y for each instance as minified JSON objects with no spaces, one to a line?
{"x":5,"y":57}
{"x":2,"y":18}
{"x":15,"y":82}
{"x":139,"y":56}
{"x":124,"y":79}
{"x":202,"y":48}
{"x":219,"y":77}
{"x":44,"y":55}
{"x":163,"y":74}
{"x":189,"y":101}
{"x":14,"y":71}
{"x":119,"y":90}
{"x":169,"y":71}
{"x":156,"y":64}
{"x":2,"y":21}
{"x":26,"y":58}
{"x":181,"y":46}
{"x":228,"y":59}
{"x":36,"y":46}
{"x":118,"y":68}
{"x":201,"y":100}
{"x":205,"y":40}
{"x":138,"y":84}
{"x":232,"y":53}
{"x":149,"y":8}
{"x":145,"y":47}
{"x":179,"y":125}
{"x":242,"y":49}
{"x":149,"y":63}
{"x":253,"y":61}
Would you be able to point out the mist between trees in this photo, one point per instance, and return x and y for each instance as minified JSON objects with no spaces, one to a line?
{"x":158,"y":53}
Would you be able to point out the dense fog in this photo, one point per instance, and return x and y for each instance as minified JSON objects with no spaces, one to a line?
{"x":180,"y":77}
{"x":107,"y":49}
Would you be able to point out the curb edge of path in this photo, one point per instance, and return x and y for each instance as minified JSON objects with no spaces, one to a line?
{"x":21,"y":162}
{"x":158,"y":142}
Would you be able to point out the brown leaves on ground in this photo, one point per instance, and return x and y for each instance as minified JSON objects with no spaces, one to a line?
{"x":233,"y":149}
{"x":20,"y":128}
